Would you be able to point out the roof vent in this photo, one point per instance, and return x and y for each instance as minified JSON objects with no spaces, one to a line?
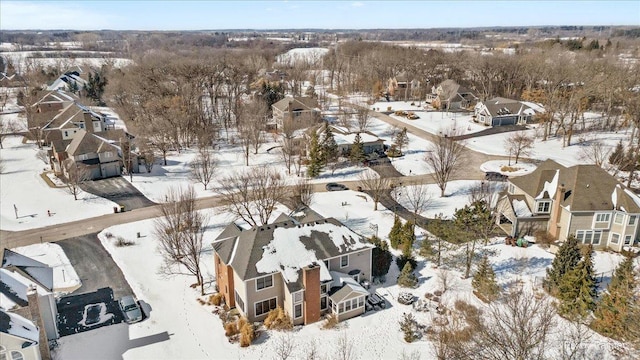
{"x":261,"y":229}
{"x":587,"y":185}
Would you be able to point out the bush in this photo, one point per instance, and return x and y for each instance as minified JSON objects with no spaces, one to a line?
{"x":278,"y":319}
{"x":403,"y":259}
{"x":407,"y":278}
{"x":216,"y":299}
{"x":230,"y":329}
{"x":120,"y":241}
{"x":331,"y":321}
{"x":409,"y":327}
{"x":543,"y":237}
{"x":247,"y":332}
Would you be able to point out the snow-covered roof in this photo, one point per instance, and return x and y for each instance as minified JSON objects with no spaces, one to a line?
{"x":16,"y":325}
{"x":351,"y":138}
{"x":549,"y":187}
{"x":15,"y":286}
{"x":520,"y":208}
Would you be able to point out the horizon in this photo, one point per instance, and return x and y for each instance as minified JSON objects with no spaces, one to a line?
{"x":309,"y":15}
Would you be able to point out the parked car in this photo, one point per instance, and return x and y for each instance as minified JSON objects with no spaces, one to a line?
{"x":130,"y":309}
{"x":336,"y":187}
{"x":495,"y":176}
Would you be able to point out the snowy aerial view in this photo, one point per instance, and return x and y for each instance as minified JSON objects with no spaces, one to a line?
{"x":464,"y":187}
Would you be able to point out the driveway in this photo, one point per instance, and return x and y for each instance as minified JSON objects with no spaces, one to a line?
{"x":118,"y":190}
{"x":94,"y":265}
{"x":84,"y":312}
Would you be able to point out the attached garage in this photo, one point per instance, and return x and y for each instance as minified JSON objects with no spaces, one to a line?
{"x":110,"y":169}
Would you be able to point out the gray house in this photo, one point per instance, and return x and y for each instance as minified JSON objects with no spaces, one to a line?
{"x":501,"y":111}
{"x":293,"y":113}
{"x":309,"y":267}
{"x":98,"y":155}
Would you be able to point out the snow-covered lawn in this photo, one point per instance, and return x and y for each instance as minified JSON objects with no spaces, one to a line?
{"x":65,"y":278}
{"x":508,"y":168}
{"x":22,"y":186}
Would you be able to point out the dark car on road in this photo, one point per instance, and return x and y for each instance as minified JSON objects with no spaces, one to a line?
{"x":336,"y":187}
{"x":495,"y":176}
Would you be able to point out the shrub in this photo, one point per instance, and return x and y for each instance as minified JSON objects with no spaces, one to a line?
{"x":331,"y":321}
{"x":409,"y":326}
{"x":247,"y":332}
{"x":407,"y":278}
{"x":230,"y":329}
{"x":120,"y":241}
{"x":216,"y":299}
{"x":278,"y":319}
{"x":402,"y":260}
{"x":506,"y":168}
{"x":543,"y":237}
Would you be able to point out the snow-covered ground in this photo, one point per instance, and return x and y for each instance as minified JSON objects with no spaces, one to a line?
{"x":23,"y":188}
{"x":65,"y":278}
{"x":23,"y":60}
{"x":508,"y":168}
{"x":179,"y":327}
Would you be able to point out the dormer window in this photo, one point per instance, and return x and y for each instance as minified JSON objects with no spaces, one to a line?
{"x":603,"y":217}
{"x":543,"y":206}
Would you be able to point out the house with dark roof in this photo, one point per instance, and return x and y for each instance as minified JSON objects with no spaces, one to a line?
{"x":502,"y":111}
{"x":451,"y":96}
{"x":99,"y":156}
{"x":293,"y":113}
{"x":581,"y":200}
{"x":307,"y":265}
{"x":19,"y":338}
{"x":345,"y":139}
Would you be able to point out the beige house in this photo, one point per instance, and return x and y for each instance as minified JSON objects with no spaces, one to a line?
{"x":582,"y":200}
{"x":293,"y":113}
{"x":99,"y":156}
{"x":308,"y":266}
{"x":451,"y":95}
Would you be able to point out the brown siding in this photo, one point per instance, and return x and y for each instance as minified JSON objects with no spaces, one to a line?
{"x":311,"y":303}
{"x":224,"y":279}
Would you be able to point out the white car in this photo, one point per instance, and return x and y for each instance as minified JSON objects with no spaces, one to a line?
{"x":130,"y":309}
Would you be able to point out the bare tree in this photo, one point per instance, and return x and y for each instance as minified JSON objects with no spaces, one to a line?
{"x":302,"y":192}
{"x":519,"y":144}
{"x":344,"y":348}
{"x":180,"y":230}
{"x":285,"y":346}
{"x":417,"y":198}
{"x":253,"y":195}
{"x":7,"y":128}
{"x":290,"y":148}
{"x":595,"y":152}
{"x":204,"y":167}
{"x":362,"y":117}
{"x":446,"y":157}
{"x":76,"y":175}
{"x":574,"y":340}
{"x":4,"y":97}
{"x":374,"y":184}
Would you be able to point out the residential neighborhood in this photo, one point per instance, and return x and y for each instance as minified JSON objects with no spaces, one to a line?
{"x":365,"y":193}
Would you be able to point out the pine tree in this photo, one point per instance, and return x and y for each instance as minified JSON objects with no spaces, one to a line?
{"x":617,"y":156}
{"x":329,"y":146}
{"x":315,"y":157}
{"x":401,"y":140}
{"x":395,"y":235}
{"x":409,"y":325}
{"x":617,"y":313}
{"x":578,"y":288}
{"x":408,"y":235}
{"x":484,"y":281}
{"x":380,"y":257}
{"x":407,"y":278}
{"x":357,"y":155}
{"x":566,"y":259}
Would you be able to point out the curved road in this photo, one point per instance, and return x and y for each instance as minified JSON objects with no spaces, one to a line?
{"x":11,"y":239}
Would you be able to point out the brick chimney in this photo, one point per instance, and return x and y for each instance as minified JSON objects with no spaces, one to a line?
{"x":88,"y":123}
{"x":34,"y":311}
{"x":311,"y":283}
{"x":554,"y":219}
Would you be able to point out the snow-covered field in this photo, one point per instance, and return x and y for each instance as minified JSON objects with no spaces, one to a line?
{"x":23,"y":60}
{"x":179,"y":327}
{"x":23,"y":188}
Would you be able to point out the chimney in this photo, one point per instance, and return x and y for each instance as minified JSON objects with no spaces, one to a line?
{"x":311,"y":283}
{"x":554,"y":219}
{"x":34,"y":311}
{"x":88,"y":123}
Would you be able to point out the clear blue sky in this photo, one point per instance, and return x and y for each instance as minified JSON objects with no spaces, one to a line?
{"x":197,"y":15}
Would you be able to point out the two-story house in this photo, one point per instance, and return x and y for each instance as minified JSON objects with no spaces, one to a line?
{"x":97,"y":154}
{"x":308,"y":267}
{"x":293,"y":113}
{"x":581,"y":200}
{"x":501,"y":111}
{"x":451,"y":95}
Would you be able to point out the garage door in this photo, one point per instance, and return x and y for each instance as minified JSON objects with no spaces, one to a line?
{"x":110,"y":170}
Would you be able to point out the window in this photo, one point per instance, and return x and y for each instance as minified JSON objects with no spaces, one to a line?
{"x":603,"y":217}
{"x":264,"y":307}
{"x":239,"y":302}
{"x":341,"y":308}
{"x":344,"y":261}
{"x":618,"y":218}
{"x":360,"y":302}
{"x":512,"y":189}
{"x":324,"y":288}
{"x":627,"y":240}
{"x":632,"y":219}
{"x":589,"y":236}
{"x":264,"y":282}
{"x":323,"y":303}
{"x":347,"y":305}
{"x":108,"y":154}
{"x":297,"y":311}
{"x":543,"y":207}
{"x":615,"y":238}
{"x":297,"y":297}
{"x":83,"y":157}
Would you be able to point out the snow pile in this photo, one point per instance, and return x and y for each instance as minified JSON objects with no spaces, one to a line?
{"x":103,"y":316}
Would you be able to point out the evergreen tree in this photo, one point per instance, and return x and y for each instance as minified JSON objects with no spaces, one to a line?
{"x":408,"y":235}
{"x":407,"y":278}
{"x":617,"y":313}
{"x":329,"y":146}
{"x":617,"y":156}
{"x":72,"y":87}
{"x":380,"y":257}
{"x":357,"y":155}
{"x":95,"y":86}
{"x":409,"y":325}
{"x":395,"y":235}
{"x":566,"y":260}
{"x":401,"y":140}
{"x":271,"y":94}
{"x":484,"y":281}
{"x":315,"y":157}
{"x":578,"y":288}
